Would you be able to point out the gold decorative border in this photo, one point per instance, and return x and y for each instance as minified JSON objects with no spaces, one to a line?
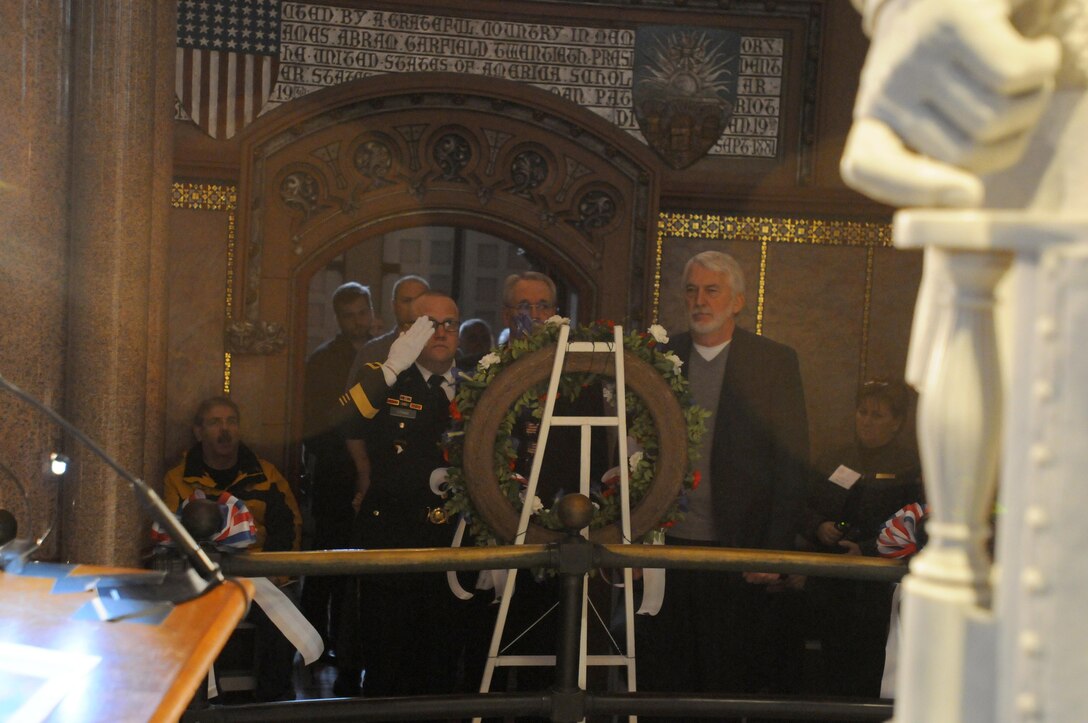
{"x":767,"y":230}
{"x":204,"y":196}
{"x":870,"y":254}
{"x":213,"y":197}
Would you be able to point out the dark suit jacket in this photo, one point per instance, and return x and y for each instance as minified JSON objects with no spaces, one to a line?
{"x":403,"y":442}
{"x":759,"y":461}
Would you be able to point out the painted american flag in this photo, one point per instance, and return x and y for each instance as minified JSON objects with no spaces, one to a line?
{"x":227,"y":60}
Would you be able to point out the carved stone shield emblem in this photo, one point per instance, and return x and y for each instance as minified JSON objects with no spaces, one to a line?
{"x":684,"y":88}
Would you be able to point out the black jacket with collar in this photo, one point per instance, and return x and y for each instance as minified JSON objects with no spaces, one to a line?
{"x":760,"y":458}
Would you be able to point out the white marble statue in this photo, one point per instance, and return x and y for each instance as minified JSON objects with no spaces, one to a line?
{"x":973,"y":114}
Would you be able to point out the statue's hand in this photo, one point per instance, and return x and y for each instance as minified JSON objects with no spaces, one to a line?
{"x":949,"y":90}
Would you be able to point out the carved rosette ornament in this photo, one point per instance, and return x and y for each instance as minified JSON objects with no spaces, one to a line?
{"x":596,"y":209}
{"x":373,"y":160}
{"x":452,"y":153}
{"x":528,"y":171}
{"x":299,"y":191}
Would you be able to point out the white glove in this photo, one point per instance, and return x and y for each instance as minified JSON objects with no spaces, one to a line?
{"x":949,"y":90}
{"x":440,"y":481}
{"x":406,"y":347}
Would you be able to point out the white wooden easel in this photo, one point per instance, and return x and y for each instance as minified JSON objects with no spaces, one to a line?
{"x":494,"y":656}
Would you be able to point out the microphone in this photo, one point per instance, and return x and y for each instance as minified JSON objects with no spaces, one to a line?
{"x":173,"y":587}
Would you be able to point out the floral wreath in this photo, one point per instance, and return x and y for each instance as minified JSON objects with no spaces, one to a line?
{"x":603,"y":494}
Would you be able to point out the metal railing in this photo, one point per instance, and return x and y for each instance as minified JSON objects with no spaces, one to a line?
{"x":572,"y":558}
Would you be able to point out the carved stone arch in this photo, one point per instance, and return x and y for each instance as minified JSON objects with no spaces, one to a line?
{"x":399,"y":151}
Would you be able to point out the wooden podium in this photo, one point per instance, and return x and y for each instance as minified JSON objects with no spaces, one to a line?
{"x":147,"y":672}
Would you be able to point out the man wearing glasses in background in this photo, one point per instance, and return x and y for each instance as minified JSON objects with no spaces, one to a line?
{"x":529,"y":299}
{"x":405,"y":291}
{"x":403,"y":413}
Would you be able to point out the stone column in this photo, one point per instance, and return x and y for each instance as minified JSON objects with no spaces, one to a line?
{"x":34,"y":52}
{"x":122,"y":105}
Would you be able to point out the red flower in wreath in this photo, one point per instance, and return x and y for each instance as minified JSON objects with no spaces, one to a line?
{"x":609,"y":486}
{"x":696,"y":478}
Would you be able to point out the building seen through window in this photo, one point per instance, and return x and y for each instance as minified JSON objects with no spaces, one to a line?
{"x":468,"y":265}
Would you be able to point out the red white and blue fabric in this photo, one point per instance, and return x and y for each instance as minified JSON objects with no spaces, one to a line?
{"x":899,"y":537}
{"x":238,"y":530}
{"x":227,"y":61}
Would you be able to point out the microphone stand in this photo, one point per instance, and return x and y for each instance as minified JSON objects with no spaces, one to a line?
{"x":173,"y":587}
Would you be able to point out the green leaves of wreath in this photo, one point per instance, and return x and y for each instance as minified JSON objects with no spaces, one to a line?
{"x":642,"y":464}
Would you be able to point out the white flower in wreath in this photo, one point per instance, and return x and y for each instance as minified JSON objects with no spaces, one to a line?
{"x":608,"y":391}
{"x":658,"y":332}
{"x":556,"y":320}
{"x":488,"y":359}
{"x":633,"y":460}
{"x":677,"y":362}
{"x":538,"y":506}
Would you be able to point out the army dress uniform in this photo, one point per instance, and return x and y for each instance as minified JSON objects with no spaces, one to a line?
{"x":405,"y":618}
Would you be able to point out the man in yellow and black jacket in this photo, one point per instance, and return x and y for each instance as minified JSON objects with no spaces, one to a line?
{"x":219,"y":462}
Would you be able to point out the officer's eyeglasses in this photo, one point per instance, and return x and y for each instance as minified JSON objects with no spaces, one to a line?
{"x":450,"y":325}
{"x":526,"y":308}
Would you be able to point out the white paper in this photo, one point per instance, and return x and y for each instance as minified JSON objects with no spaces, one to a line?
{"x":844,"y":477}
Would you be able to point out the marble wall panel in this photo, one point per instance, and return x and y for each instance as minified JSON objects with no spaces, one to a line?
{"x":813,"y":302}
{"x":197,"y":281}
{"x":34,"y":185}
{"x":896,"y":275}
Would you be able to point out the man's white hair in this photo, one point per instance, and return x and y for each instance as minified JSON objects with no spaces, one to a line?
{"x":720,"y":262}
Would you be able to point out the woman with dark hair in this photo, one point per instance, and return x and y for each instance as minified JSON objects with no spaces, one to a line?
{"x":858,"y":488}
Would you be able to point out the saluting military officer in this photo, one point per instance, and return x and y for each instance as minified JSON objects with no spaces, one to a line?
{"x":403,"y":406}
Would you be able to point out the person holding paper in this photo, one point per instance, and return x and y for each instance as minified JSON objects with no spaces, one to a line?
{"x":859,"y":487}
